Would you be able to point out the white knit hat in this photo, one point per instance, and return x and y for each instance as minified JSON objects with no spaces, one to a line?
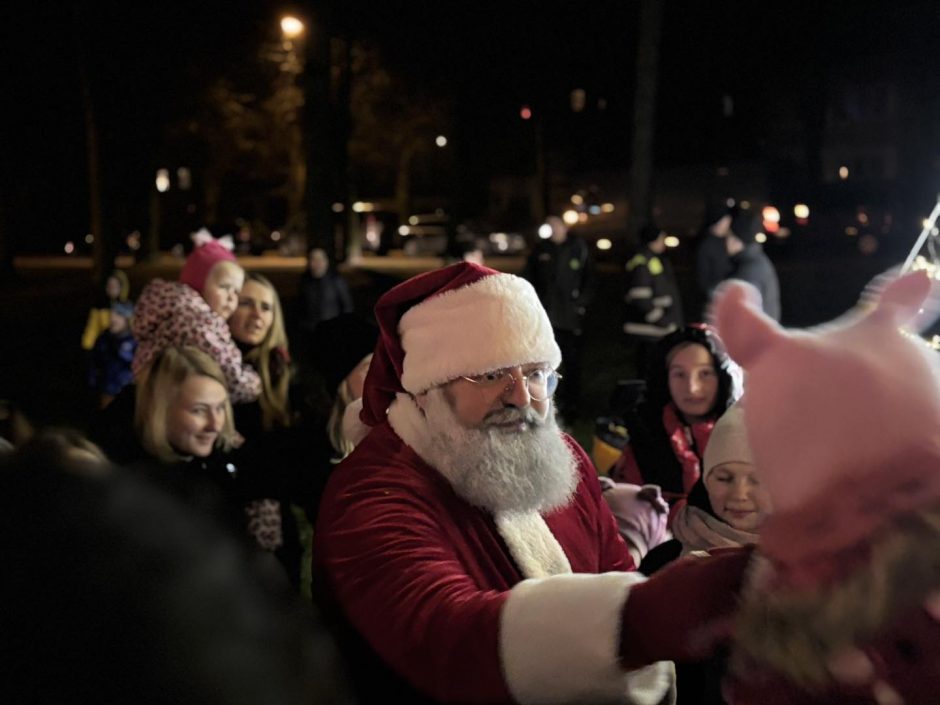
{"x":728,"y":441}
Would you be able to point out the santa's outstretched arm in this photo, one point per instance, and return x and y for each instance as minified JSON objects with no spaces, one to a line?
{"x":610,"y":637}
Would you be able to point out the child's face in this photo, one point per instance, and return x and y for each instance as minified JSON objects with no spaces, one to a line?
{"x":737,"y":496}
{"x":222,"y":287}
{"x":693,"y":381}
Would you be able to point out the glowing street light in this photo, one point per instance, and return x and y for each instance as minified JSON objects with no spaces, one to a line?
{"x":843,"y":172}
{"x":291,"y":27}
{"x":440,"y":141}
{"x":801,"y":210}
{"x":162,"y":182}
{"x":545,"y":231}
{"x":604,"y":244}
{"x":570,"y":217}
{"x":671,"y":241}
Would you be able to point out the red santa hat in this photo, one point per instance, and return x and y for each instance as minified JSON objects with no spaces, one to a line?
{"x":465,"y":319}
{"x":208,"y":253}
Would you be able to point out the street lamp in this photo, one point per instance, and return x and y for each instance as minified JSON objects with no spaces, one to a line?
{"x":291,"y":27}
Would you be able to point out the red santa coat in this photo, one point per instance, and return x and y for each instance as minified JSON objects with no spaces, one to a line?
{"x":430,"y":604}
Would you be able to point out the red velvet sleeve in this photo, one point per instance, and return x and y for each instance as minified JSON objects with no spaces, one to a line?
{"x":403,"y":589}
{"x":614,"y":554}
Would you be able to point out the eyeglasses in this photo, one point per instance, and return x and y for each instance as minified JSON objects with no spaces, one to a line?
{"x":541,"y":382}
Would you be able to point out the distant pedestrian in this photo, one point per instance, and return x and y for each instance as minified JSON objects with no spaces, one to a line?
{"x":712,"y":262}
{"x":750,"y":263}
{"x":562,"y":271}
{"x":324,"y":293}
{"x":112,"y":357}
{"x":654,"y":308}
{"x":116,"y":288}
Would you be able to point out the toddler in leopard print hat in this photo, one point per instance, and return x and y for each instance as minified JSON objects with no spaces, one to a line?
{"x":194,"y":311}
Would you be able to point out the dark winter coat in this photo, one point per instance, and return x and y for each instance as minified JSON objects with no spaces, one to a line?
{"x":712,"y":263}
{"x":650,"y":444}
{"x":322,"y":299}
{"x":225,"y":485}
{"x":563,"y":277}
{"x":653,"y":306}
{"x":754,"y":266}
{"x":110,"y":368}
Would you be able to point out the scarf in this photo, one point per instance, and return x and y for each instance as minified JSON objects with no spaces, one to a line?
{"x":697,"y":530}
{"x":688,"y":443}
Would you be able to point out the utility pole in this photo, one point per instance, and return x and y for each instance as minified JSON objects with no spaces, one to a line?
{"x":317,"y":132}
{"x":644,"y":114}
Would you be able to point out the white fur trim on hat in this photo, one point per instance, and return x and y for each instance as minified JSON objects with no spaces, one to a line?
{"x":559,"y":638}
{"x":495,"y":322}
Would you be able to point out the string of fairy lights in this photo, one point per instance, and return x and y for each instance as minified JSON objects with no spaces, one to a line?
{"x":929,"y":262}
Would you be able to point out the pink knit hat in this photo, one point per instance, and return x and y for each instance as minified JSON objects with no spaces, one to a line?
{"x":465,"y":319}
{"x":204,"y":257}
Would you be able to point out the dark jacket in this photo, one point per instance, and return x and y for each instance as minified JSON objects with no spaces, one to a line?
{"x":712,"y":263}
{"x":649,"y":441}
{"x":299,"y":458}
{"x":222,"y":483}
{"x":654,"y":308}
{"x":563,"y":277}
{"x":110,"y":368}
{"x":322,"y":299}
{"x":754,"y":266}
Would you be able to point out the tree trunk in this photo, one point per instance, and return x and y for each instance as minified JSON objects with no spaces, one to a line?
{"x":316,"y":131}
{"x":644,"y":113}
{"x":403,"y":183}
{"x":102,"y":251}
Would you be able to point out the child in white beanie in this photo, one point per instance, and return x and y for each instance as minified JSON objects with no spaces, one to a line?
{"x":727,"y":505}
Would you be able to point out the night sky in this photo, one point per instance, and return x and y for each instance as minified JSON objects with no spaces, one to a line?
{"x":148,"y":61}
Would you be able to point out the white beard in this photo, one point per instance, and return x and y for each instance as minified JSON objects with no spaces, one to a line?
{"x":532,"y":470}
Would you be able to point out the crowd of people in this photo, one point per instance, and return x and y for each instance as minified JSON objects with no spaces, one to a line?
{"x":416,"y":524}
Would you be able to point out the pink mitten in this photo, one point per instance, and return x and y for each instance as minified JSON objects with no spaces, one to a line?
{"x":641,"y":514}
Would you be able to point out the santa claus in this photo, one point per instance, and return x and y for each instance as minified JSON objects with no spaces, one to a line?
{"x":463,"y":551}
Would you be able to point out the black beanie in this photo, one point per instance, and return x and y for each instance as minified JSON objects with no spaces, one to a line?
{"x":745,"y":225}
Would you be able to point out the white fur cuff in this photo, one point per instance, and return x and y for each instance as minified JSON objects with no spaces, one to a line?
{"x":559,"y":639}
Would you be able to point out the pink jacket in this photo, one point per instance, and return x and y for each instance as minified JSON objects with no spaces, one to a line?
{"x":171,"y":313}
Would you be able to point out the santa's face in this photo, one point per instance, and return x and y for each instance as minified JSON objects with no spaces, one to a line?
{"x":492,"y":407}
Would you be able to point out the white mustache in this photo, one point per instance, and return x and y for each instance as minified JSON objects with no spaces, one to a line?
{"x":512,"y":415}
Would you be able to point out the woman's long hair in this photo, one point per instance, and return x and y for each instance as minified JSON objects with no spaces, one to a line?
{"x":158,"y":387}
{"x":271,"y":358}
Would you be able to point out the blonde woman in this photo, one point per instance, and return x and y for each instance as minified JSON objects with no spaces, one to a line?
{"x":183,"y":433}
{"x":257,"y":326}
